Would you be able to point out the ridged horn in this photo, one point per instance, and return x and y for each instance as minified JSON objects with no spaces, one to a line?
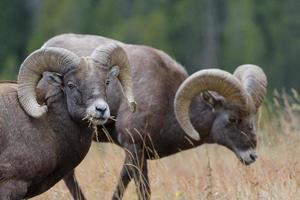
{"x":214,"y":80}
{"x":113,"y":55}
{"x":46,"y":59}
{"x":254,"y":81}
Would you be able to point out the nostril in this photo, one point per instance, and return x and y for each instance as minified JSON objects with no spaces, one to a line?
{"x":101,"y":108}
{"x":253,"y":156}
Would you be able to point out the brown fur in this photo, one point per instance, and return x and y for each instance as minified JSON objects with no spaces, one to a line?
{"x":36,"y":153}
{"x":153,"y":131}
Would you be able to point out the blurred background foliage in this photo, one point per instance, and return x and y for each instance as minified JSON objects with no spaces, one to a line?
{"x":197,"y":33}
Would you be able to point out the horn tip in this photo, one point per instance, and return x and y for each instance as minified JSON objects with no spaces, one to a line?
{"x":194,"y":135}
{"x":42,"y":110}
{"x":132,"y":106}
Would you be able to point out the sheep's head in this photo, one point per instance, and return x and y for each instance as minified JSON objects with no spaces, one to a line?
{"x":233,"y":100}
{"x":83,"y":80}
{"x":232,"y":127}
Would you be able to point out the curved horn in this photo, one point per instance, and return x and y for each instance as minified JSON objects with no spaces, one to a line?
{"x":212,"y":79}
{"x":46,"y":59}
{"x":111,"y":55}
{"x":254,"y":80}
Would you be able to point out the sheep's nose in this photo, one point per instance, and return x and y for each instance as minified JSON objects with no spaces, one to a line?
{"x":253,"y":156}
{"x":101,"y":108}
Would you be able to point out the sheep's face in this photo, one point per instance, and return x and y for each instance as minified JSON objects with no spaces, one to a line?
{"x":234,"y":130}
{"x":84,"y":89}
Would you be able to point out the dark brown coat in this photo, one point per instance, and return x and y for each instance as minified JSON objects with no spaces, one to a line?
{"x":153,"y":131}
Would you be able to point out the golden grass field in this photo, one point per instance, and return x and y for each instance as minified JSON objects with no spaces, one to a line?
{"x":209,"y":171}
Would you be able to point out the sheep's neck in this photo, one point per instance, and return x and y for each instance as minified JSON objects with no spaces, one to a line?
{"x":70,"y":133}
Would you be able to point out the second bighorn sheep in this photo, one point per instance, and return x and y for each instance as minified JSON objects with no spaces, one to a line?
{"x":170,"y":106}
{"x":41,"y":144}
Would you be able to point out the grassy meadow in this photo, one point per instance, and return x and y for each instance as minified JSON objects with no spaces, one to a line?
{"x":210,"y":171}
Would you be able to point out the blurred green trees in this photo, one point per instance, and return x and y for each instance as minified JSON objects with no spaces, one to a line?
{"x":197,"y":33}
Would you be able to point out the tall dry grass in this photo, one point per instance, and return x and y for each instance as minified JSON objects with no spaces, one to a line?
{"x":210,"y":171}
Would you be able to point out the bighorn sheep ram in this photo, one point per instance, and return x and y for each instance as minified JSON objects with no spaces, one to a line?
{"x":41,"y":144}
{"x":170,"y":107}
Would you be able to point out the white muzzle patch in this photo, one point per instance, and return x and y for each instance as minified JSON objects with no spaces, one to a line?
{"x":98,"y":112}
{"x":246,"y":156}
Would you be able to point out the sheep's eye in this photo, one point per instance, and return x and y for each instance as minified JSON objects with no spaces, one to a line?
{"x":71,"y":86}
{"x":234,"y":120}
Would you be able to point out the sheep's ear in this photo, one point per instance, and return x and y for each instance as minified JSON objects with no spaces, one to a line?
{"x":53,"y":78}
{"x":114,"y":71}
{"x":213,"y":99}
{"x":48,"y":85}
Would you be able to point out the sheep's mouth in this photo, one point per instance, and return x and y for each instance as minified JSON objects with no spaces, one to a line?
{"x":96,"y":120}
{"x":246,"y":157}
